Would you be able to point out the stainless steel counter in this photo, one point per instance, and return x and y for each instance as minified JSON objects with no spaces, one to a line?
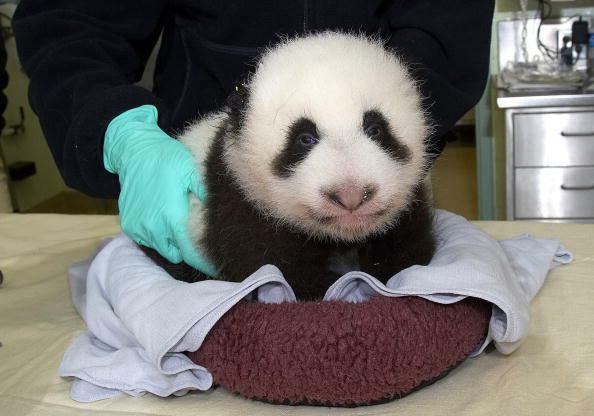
{"x":543,"y":99}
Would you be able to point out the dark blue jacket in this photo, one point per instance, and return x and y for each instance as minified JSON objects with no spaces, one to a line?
{"x":84,"y":56}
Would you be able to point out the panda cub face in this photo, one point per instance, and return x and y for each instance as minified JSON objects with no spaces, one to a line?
{"x":331,"y":141}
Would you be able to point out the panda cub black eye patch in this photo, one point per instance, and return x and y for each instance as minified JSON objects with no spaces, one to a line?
{"x":301,"y":138}
{"x":376,"y":127}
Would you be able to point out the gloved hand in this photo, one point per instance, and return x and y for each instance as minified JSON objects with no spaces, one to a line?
{"x":156,"y":174}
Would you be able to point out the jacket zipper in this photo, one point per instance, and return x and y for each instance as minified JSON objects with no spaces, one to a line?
{"x":305,"y":16}
{"x":188,"y":58}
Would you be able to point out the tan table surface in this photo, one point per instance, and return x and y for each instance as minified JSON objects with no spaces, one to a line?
{"x":552,"y":373}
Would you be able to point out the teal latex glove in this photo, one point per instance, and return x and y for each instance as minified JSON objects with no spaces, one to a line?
{"x":156,"y":174}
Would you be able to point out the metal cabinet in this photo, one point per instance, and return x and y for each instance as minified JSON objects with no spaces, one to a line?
{"x":550,"y":160}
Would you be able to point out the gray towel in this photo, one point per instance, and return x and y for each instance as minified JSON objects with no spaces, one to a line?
{"x":140,"y":320}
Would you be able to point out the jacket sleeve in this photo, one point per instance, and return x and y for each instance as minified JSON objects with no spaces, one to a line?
{"x":82,"y":58}
{"x":447,"y":44}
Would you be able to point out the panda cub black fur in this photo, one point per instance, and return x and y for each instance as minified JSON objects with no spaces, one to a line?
{"x":317,"y":166}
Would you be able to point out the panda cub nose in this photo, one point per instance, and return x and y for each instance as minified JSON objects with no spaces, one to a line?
{"x":352,"y":197}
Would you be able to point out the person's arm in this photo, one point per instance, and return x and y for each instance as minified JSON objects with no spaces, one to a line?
{"x":447,"y":44}
{"x":82,"y":58}
{"x":105,"y":133}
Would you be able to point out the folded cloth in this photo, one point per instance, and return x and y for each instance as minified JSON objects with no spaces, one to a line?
{"x":140,"y":320}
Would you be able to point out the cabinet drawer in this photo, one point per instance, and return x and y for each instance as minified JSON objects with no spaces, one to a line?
{"x":554,"y":139}
{"x":554,"y":193}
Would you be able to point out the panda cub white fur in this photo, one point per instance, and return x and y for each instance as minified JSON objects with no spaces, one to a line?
{"x":316,"y":166}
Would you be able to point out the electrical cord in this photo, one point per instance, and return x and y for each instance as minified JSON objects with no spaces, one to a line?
{"x":545,"y":10}
{"x":544,"y":49}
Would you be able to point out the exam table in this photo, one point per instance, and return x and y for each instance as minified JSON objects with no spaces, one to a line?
{"x":551,"y":373}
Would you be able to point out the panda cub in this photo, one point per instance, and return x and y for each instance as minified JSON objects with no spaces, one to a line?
{"x":317,"y":166}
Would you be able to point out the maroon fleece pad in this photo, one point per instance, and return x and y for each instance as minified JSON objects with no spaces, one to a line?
{"x":337,"y":353}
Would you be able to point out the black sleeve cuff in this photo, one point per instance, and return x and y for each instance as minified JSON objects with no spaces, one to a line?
{"x":83,"y":149}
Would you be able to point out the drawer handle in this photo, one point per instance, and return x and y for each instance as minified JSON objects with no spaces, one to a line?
{"x":577,"y":134}
{"x":577,"y":188}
